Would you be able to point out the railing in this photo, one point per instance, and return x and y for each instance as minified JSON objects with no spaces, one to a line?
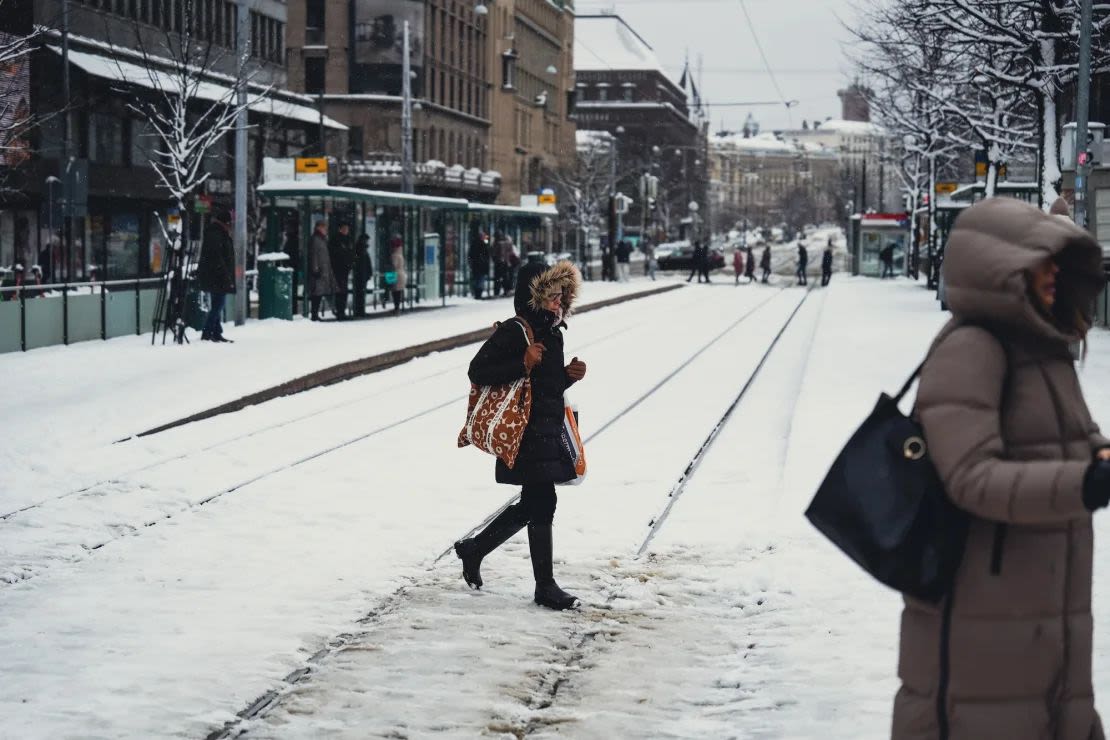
{"x":33,"y":316}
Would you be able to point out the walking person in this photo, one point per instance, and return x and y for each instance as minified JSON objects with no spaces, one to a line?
{"x":342,"y":259}
{"x":695,"y":264}
{"x":507,"y":256}
{"x":765,"y":264}
{"x":624,"y":261}
{"x":364,"y":272}
{"x":651,"y":265}
{"x":401,"y":281}
{"x":749,"y":265}
{"x":544,"y":298}
{"x":1007,"y":653}
{"x":887,"y":258}
{"x":803,"y":264}
{"x":322,"y":280}
{"x":738,"y":264}
{"x":827,"y":265}
{"x":703,"y":266}
{"x":479,"y":264}
{"x":216,"y":272}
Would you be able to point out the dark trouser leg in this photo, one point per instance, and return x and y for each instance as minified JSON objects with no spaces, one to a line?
{"x":539,"y":500}
{"x":358,"y":296}
{"x":314,"y":301}
{"x":397,"y":296}
{"x":472,"y":551}
{"x":212,"y":327}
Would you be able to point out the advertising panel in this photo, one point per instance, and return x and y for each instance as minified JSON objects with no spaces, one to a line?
{"x":377,"y":41}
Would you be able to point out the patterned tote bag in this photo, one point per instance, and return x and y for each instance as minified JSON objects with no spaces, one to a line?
{"x":497,"y":414}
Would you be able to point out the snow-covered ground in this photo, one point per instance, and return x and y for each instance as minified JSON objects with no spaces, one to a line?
{"x":135,"y":610}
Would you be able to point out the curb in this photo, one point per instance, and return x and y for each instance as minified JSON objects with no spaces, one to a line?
{"x":369,"y":365}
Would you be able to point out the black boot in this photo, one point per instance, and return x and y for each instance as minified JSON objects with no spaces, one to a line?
{"x":548,"y":592}
{"x":473,"y":550}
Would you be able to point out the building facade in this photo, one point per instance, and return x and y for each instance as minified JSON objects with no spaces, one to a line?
{"x":116,"y":56}
{"x":623,"y":90}
{"x":348,"y":55}
{"x":531,"y":58}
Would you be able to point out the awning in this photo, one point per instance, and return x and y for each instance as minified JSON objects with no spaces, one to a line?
{"x":536,"y":211}
{"x":379,"y":197}
{"x":118,"y":70}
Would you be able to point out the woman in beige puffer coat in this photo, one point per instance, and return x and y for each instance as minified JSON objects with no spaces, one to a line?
{"x":1007,"y":654}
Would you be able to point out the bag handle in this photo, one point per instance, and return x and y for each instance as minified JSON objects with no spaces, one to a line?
{"x":906,"y":388}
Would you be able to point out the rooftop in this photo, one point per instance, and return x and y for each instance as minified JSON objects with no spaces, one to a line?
{"x":605,"y":43}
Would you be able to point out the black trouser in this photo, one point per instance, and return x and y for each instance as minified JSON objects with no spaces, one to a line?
{"x":397,"y":296}
{"x":499,"y":269}
{"x":314,"y":301}
{"x":825,"y":278}
{"x":342,"y":278}
{"x":766,"y":273}
{"x":704,"y":273}
{"x":802,"y":280}
{"x":537,"y":501}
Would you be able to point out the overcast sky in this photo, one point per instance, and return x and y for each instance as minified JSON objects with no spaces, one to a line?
{"x":803,"y":40}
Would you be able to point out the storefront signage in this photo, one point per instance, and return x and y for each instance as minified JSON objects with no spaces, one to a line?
{"x":311,"y":169}
{"x":547,"y":198}
{"x":946,"y":188}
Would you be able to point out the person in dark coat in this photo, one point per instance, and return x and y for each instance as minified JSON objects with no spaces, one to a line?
{"x":364,"y":271}
{"x":827,"y":265}
{"x":544,"y":297}
{"x":624,"y":261}
{"x":342,"y":255}
{"x":292,"y":247}
{"x":803,"y":264}
{"x":749,"y":265}
{"x":703,"y":266}
{"x":765,"y":263}
{"x":696,"y":264}
{"x":216,"y":272}
{"x":321,"y":280}
{"x":479,"y":264}
{"x":887,"y":258}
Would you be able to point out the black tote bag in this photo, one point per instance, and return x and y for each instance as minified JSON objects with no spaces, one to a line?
{"x":884,"y":505}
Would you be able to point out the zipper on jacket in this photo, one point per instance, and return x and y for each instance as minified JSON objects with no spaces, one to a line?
{"x":1000,"y":530}
{"x":945,"y":667}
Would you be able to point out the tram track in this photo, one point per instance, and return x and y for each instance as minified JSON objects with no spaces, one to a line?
{"x":114,"y":531}
{"x":548,"y":685}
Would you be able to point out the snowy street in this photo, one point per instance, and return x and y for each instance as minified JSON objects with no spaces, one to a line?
{"x":291,"y":552}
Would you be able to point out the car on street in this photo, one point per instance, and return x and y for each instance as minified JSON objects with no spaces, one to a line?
{"x":682,"y":258}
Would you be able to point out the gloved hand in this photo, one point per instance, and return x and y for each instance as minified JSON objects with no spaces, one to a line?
{"x":533,"y":355}
{"x":1096,"y":486}
{"x":576,"y":370}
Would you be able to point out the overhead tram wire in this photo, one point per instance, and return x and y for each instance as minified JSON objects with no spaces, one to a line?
{"x":767,"y":64}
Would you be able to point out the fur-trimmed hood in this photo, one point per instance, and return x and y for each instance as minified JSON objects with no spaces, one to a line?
{"x":538,"y":284}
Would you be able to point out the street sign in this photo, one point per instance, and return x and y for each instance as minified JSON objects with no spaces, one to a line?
{"x":203,"y":204}
{"x":946,"y":188}
{"x":547,"y":198}
{"x":311,"y":166}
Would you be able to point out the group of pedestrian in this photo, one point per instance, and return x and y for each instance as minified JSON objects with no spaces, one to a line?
{"x":506,"y":263}
{"x":331,"y":262}
{"x":743,"y":264}
{"x":700,"y":263}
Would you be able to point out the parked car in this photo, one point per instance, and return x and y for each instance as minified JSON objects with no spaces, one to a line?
{"x":682,"y":258}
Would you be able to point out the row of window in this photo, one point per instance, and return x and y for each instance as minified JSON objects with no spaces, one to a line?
{"x":213,"y":21}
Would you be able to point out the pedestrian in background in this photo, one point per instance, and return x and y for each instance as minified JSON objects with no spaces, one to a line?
{"x":803,"y":264}
{"x":749,"y":264}
{"x":1007,"y":653}
{"x":624,"y":261}
{"x":738,"y":264}
{"x":651,"y":265}
{"x":827,"y":264}
{"x":544,"y":299}
{"x":397,"y":261}
{"x":364,"y":273}
{"x":703,"y":265}
{"x":322,"y":281}
{"x":342,"y":255}
{"x":479,"y":263}
{"x":291,"y":247}
{"x":887,"y":258}
{"x":216,"y":272}
{"x":697,"y":266}
{"x":506,"y":253}
{"x":765,"y":264}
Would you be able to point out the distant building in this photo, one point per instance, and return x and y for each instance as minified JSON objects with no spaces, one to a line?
{"x":854,"y":105}
{"x":623,"y":90}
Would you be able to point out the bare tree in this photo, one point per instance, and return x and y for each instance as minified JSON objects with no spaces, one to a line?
{"x":16,"y":118}
{"x":584,"y":187}
{"x":190,"y":109}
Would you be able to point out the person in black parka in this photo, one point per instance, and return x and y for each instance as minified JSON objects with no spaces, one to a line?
{"x":749,"y":265}
{"x":827,"y":264}
{"x":803,"y":264}
{"x":765,"y":263}
{"x":216,"y":272}
{"x":544,"y":297}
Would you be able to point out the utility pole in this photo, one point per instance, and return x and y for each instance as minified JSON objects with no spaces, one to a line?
{"x":67,"y":196}
{"x":406,"y":114}
{"x":1083,"y":100}
{"x":242,"y":44}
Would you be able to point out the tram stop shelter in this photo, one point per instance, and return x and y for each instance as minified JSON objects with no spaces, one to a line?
{"x":529,"y":227}
{"x":428,"y":227}
{"x":874,"y":232}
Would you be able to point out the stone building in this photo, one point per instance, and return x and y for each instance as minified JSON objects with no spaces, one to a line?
{"x":347,"y":54}
{"x":532,"y":78}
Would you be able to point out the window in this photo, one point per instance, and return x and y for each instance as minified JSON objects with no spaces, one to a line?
{"x":314,"y":22}
{"x":105,"y":139}
{"x":603,"y":93}
{"x":314,"y":75}
{"x":144,"y":143}
{"x":354,"y":143}
{"x":508,"y":70}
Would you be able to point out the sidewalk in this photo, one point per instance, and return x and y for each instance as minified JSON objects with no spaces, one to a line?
{"x":113,"y":389}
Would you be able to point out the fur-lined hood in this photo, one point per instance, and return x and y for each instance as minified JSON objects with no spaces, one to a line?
{"x":538,"y":284}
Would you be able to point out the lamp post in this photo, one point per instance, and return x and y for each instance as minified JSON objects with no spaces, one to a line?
{"x":1083,"y":99}
{"x":406,"y":114}
{"x":243,"y":46}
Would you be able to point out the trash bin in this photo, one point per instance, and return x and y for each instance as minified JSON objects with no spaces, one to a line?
{"x":275,"y":286}
{"x":196,"y":308}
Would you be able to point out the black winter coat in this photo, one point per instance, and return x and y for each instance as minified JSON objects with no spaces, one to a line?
{"x":501,"y":361}
{"x":826,"y":261}
{"x":749,"y":263}
{"x":342,"y":255}
{"x":765,"y":260}
{"x":216,"y":271}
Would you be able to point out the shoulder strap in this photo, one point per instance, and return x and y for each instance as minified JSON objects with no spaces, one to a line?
{"x":527,"y":329}
{"x":917,"y":373}
{"x":906,"y":388}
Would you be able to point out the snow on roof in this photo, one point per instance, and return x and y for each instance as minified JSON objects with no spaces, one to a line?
{"x":766,"y":142}
{"x":605,"y":42}
{"x":861,"y":128}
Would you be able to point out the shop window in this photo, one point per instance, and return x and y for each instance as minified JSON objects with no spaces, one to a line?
{"x":314,"y":75}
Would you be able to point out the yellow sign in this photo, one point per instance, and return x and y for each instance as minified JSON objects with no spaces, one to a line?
{"x":311,"y":165}
{"x":547,"y":199}
{"x":946,"y":188}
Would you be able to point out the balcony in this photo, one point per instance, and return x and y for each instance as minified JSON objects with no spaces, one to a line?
{"x":382,"y":171}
